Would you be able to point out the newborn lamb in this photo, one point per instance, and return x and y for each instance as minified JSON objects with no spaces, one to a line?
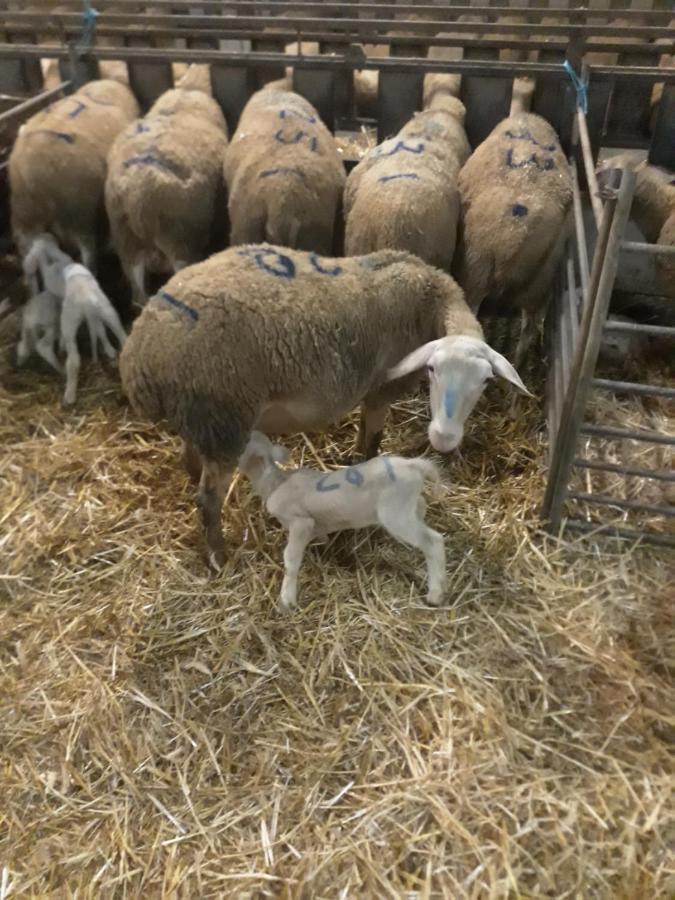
{"x":39,"y":329}
{"x":384,"y":491}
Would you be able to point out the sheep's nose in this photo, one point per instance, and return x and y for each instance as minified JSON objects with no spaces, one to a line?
{"x":445,"y":440}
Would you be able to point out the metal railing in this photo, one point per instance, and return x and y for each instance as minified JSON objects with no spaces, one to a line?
{"x":577,"y":324}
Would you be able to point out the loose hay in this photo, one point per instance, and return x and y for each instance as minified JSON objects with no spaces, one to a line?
{"x":169,"y":735}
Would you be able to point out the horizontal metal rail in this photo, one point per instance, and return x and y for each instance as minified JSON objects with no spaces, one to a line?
{"x":629,"y":534}
{"x":403,"y":9}
{"x":634,"y":505}
{"x":289,"y":34}
{"x":32,"y":103}
{"x":496,"y":68}
{"x":597,"y":465}
{"x":640,"y":328}
{"x":631,"y":387}
{"x":362,"y":28}
{"x":649,"y":437}
{"x":653,"y":249}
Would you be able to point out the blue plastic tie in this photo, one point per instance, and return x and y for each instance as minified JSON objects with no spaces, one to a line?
{"x":579,"y":86}
{"x":89,"y":17}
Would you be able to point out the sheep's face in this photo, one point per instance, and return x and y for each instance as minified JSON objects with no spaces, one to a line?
{"x":459,"y":368}
{"x":259,"y":456}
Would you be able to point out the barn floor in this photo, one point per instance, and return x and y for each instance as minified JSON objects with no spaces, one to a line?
{"x":166,"y":734}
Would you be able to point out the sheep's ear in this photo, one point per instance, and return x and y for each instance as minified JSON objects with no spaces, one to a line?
{"x":502,"y":367}
{"x":413,"y":361}
{"x":280,"y":454}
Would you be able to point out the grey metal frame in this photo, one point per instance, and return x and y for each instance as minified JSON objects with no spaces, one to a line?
{"x":578,"y":320}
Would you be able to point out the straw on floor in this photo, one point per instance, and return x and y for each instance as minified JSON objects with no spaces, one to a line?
{"x":168,"y":734}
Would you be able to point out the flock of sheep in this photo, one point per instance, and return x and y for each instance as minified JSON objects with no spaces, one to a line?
{"x":280,"y":333}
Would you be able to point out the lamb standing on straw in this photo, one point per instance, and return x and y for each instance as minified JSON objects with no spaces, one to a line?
{"x":72,"y":287}
{"x":385,"y":491}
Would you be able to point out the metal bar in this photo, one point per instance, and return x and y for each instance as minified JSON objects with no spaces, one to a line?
{"x":608,"y":431}
{"x":393,"y":64}
{"x":596,"y":465}
{"x":653,"y":249}
{"x":632,"y":387}
{"x":572,"y":307}
{"x":15,"y":21}
{"x":589,"y":167}
{"x":407,"y":9}
{"x":606,"y":500}
{"x":644,"y":537}
{"x":27,"y":105}
{"x":605,"y":264}
{"x":580,"y":234}
{"x":639,"y":328}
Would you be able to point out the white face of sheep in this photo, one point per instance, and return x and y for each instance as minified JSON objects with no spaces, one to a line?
{"x":459,"y":368}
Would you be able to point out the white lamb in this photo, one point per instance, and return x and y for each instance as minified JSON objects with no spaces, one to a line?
{"x":82,"y":301}
{"x":39,"y":329}
{"x":384,"y":491}
{"x":85,"y":301}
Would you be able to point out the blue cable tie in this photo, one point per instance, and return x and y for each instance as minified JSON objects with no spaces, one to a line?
{"x":89,"y":17}
{"x":579,"y":86}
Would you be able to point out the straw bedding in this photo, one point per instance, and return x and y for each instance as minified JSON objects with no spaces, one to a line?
{"x":167,"y":734}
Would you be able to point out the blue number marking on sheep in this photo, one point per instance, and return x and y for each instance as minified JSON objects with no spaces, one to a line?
{"x":353,"y":476}
{"x":283,"y":170}
{"x":141,"y":127}
{"x":546,"y":165}
{"x":61,"y":135}
{"x":525,"y":135}
{"x":449,"y":402}
{"x":145,"y":159}
{"x":388,"y":466}
{"x":299,"y":135}
{"x":79,"y":106}
{"x":97,"y":100}
{"x":399,"y":147}
{"x":286,"y":266}
{"x":283,"y":113}
{"x":323,"y":488}
{"x":322,"y":270}
{"x":178,"y":304}
{"x":518,"y":210}
{"x":411,"y":175}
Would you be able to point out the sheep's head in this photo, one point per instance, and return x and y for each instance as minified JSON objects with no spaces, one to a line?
{"x":260,"y":460}
{"x":459,"y":368}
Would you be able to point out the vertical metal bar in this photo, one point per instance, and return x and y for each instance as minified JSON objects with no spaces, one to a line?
{"x":580,"y":235}
{"x":589,"y":166}
{"x":605,"y":264}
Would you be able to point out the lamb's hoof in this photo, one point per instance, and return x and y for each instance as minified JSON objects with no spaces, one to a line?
{"x":68,"y":402}
{"x":436,"y":599}
{"x":217,"y":560}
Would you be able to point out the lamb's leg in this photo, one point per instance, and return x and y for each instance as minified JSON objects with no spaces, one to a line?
{"x":87,"y":248}
{"x":135,"y":273}
{"x":213,"y":485}
{"x":25,"y":345}
{"x":371,"y":427}
{"x":300,"y":533}
{"x":398,"y":515}
{"x":45,"y":347}
{"x":72,"y":369}
{"x":192,"y":462}
{"x":108,"y":348}
{"x":92,"y":328}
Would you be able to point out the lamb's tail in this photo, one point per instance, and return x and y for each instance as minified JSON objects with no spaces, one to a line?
{"x":290,"y":203}
{"x":429,"y":472}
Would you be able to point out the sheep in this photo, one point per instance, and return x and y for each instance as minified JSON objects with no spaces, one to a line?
{"x":39,"y":329}
{"x":284,"y":174}
{"x":516,"y":193}
{"x":310,"y":504}
{"x":81,"y":299}
{"x":266,"y":338}
{"x":403,"y":195}
{"x":653,"y":210}
{"x":438,"y":85}
{"x":57,"y":166}
{"x":164,"y":189}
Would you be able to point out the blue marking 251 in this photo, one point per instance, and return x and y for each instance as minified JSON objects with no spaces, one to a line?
{"x":545,"y":165}
{"x":283,"y":170}
{"x":411,"y":175}
{"x":178,"y":304}
{"x":313,"y":143}
{"x":79,"y":106}
{"x":284,"y":113}
{"x":316,"y":264}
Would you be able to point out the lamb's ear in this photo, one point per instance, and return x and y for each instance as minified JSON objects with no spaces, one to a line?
{"x":280,"y":454}
{"x":502,"y":367}
{"x":413,"y":361}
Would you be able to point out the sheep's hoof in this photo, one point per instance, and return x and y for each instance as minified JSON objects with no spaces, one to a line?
{"x":437,"y":598}
{"x":217,"y":560}
{"x":68,"y":402}
{"x":286,"y":606}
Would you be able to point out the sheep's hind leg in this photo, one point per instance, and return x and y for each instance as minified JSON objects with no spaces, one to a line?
{"x":87,"y":250}
{"x":213,"y":485}
{"x":192,"y":462}
{"x":371,"y":427}
{"x":72,"y":370}
{"x":300,"y":533}
{"x":398,"y":515}
{"x":45,"y":347}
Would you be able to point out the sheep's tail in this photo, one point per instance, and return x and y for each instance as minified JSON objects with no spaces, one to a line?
{"x":282,"y":230}
{"x":138,"y":382}
{"x":286,"y":200}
